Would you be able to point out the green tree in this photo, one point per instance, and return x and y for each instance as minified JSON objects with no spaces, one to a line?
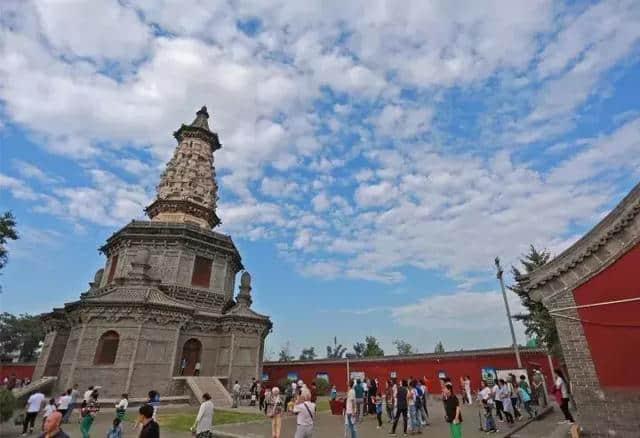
{"x":404,"y":348}
{"x":7,"y":404}
{"x":537,"y":322}
{"x":23,"y":333}
{"x":439,"y":348}
{"x":285,"y":353}
{"x":369,"y":348}
{"x":308,"y":353}
{"x":336,"y":351}
{"x":7,"y":231}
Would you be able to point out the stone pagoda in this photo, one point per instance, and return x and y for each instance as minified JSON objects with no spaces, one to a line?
{"x":164,"y":299}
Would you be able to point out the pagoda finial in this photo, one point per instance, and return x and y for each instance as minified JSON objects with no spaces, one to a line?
{"x":201,"y":120}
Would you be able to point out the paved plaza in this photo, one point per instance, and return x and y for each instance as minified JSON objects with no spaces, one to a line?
{"x":327,"y":426}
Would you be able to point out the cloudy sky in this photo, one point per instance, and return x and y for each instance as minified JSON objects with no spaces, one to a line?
{"x":376,"y":156}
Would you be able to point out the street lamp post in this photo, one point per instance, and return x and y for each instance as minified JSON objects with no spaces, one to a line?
{"x":506,"y":305}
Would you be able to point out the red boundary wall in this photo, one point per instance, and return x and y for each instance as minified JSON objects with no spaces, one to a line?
{"x":21,"y":370}
{"x":454,"y":365}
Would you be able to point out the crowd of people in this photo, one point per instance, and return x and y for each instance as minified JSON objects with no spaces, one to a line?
{"x":501,"y":400}
{"x":12,"y":381}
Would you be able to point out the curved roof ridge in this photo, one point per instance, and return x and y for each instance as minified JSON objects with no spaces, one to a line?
{"x":615,"y":221}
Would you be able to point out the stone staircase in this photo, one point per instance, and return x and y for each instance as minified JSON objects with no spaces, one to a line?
{"x":201,"y":384}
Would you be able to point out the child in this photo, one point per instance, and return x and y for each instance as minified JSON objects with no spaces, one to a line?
{"x":121,"y":407}
{"x":49,"y":409}
{"x":377,"y":400}
{"x":116,"y":429}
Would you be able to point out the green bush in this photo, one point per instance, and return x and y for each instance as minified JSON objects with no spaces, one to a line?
{"x":7,"y":404}
{"x":323,"y":386}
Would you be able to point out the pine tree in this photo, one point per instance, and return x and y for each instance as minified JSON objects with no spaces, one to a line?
{"x":538,"y":322}
{"x":404,"y":348}
{"x":308,"y":353}
{"x":439,"y":348}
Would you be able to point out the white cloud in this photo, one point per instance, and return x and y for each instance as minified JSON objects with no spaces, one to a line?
{"x":18,"y":188}
{"x":459,"y":310}
{"x":31,"y":171}
{"x":320,"y":202}
{"x":375,"y":194}
{"x":279,"y":188}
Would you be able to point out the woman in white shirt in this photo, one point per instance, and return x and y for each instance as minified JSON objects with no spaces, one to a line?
{"x":305,"y":412}
{"x":121,"y":407}
{"x":562,"y":388}
{"x":204,"y":420}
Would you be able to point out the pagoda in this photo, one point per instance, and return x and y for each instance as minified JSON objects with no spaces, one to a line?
{"x":164,"y":300}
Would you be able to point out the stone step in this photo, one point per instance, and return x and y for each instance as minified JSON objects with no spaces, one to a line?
{"x":202,"y":384}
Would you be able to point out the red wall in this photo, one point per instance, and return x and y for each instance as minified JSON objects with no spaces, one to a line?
{"x":21,"y":370}
{"x":615,"y":348}
{"x":454,"y":367}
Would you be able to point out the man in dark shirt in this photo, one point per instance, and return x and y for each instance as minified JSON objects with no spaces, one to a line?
{"x":452,"y":411}
{"x":150,"y":428}
{"x":401,"y":407}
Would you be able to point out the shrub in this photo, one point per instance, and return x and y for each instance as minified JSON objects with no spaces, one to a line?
{"x":7,"y":404}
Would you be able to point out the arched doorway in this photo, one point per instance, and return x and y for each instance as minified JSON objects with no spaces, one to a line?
{"x":190,"y":355}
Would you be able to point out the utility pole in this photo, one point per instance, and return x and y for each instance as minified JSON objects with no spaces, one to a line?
{"x":506,"y":305}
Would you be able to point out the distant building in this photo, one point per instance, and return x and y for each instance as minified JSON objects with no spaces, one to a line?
{"x":164,"y":299}
{"x":593,"y":293}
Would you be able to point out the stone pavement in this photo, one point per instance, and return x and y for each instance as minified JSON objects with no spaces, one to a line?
{"x":330,"y":426}
{"x":327,"y":426}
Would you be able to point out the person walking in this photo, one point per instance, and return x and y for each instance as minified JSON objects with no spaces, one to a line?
{"x":412,"y":402}
{"x":275,"y":408}
{"x":539,"y":389}
{"x":87,"y":414}
{"x":504,"y":395}
{"x":525,"y":396}
{"x":49,"y":409}
{"x":349,"y":411}
{"x":236,"y":394}
{"x":334,"y":393}
{"x":497,"y":400}
{"x":63,"y":403}
{"x":305,"y":411}
{"x":34,"y":404}
{"x":359,"y":390}
{"x":562,"y":389}
{"x":196,"y":370}
{"x":485,"y":396}
{"x":452,"y":411}
{"x":377,"y":402}
{"x":121,"y":407}
{"x":203,"y":425}
{"x":512,"y":385}
{"x":401,"y":407}
{"x":75,"y":393}
{"x":150,"y":428}
{"x":467,"y":389}
{"x":115,"y":431}
{"x":183,"y":365}
{"x":51,"y":427}
{"x":388,"y":400}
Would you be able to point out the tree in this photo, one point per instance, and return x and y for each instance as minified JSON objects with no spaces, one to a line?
{"x":285,"y":353}
{"x":22,"y":333}
{"x":308,"y":353}
{"x":439,"y":348}
{"x":337,"y":351}
{"x":404,"y":348}
{"x":369,"y":348}
{"x":7,"y":231}
{"x":538,"y":322}
{"x":7,"y":404}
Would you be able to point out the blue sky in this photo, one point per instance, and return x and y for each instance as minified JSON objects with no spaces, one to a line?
{"x":376,"y":157}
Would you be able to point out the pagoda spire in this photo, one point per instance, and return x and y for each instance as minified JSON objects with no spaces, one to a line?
{"x":187,"y":191}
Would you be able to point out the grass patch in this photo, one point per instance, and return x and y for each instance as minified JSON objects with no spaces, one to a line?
{"x":322,"y":405}
{"x":181,"y":421}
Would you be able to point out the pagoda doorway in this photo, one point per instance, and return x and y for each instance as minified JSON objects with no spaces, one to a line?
{"x":190,"y":355}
